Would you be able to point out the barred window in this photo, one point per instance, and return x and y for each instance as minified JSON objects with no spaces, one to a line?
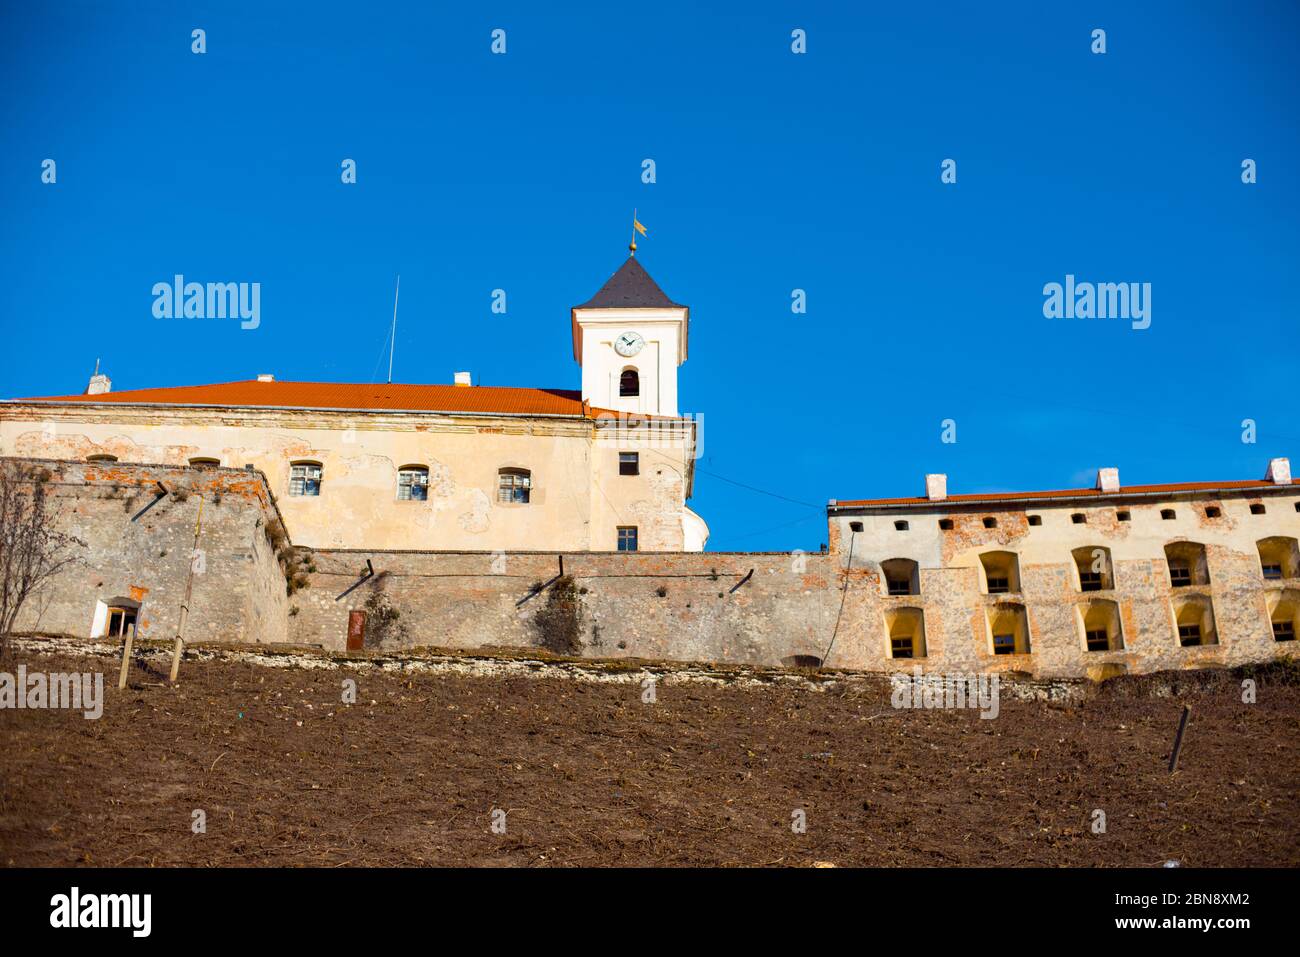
{"x":514,"y":486}
{"x":412,"y":483}
{"x":304,"y":478}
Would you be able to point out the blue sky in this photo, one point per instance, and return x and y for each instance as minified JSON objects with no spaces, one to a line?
{"x":775,"y":171}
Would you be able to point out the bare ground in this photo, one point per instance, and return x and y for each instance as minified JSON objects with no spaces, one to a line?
{"x":589,"y":774}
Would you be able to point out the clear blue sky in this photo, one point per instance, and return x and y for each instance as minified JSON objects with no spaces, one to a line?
{"x":775,"y":172}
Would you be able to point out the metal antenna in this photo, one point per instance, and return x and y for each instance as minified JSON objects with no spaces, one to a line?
{"x":392,"y":346}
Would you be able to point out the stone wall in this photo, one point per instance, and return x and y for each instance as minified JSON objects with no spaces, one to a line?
{"x":137,"y":543}
{"x":684,"y":606}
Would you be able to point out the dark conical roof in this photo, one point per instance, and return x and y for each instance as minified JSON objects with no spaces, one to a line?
{"x":630,"y":288}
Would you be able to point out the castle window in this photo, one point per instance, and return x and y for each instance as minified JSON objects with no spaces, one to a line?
{"x":1035,"y":520}
{"x":205,"y":463}
{"x":906,"y":630}
{"x":1123,"y":516}
{"x":1008,"y":629}
{"x":629,"y":383}
{"x":629,"y":463}
{"x":101,"y":458}
{"x":1257,"y":509}
{"x":990,"y":522}
{"x":1001,"y":572}
{"x":514,"y":486}
{"x":1167,"y":514}
{"x":304,"y":478}
{"x":945,"y":524}
{"x":1279,"y":557}
{"x":1187,"y":564}
{"x":901,"y":526}
{"x":1194,"y":619}
{"x":627,"y":538}
{"x":1284,"y":617}
{"x":412,"y":483}
{"x":1101,"y":626}
{"x":902,"y":576}
{"x":1212,"y":511}
{"x":1079,"y":518}
{"x":1093,"y":565}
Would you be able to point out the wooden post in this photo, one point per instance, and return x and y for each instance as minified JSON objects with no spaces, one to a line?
{"x":1178,"y":739}
{"x":185,"y":606}
{"x":126,"y":658}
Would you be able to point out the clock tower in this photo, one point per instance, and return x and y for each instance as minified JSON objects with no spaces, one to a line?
{"x":629,"y":339}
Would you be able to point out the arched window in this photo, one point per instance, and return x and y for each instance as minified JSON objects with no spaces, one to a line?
{"x":1102,"y":630}
{"x":305,"y":478}
{"x":1187,"y":564}
{"x":1093,"y":564}
{"x":1194,"y":619}
{"x":412,"y":483}
{"x":905,"y":628}
{"x":205,"y":463}
{"x":902,"y":576}
{"x":1279,"y":557}
{"x":1284,"y":616}
{"x":629,"y":383}
{"x":1008,"y":629}
{"x":1001,"y":572}
{"x":101,"y":458}
{"x":514,"y":486}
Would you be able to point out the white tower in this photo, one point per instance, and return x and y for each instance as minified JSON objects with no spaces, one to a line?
{"x":629,"y":339}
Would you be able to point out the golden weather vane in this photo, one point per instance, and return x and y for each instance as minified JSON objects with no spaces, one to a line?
{"x":636,"y":228}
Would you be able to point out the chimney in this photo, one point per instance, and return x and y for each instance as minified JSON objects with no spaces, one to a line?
{"x":99,"y":383}
{"x":1279,"y":472}
{"x":462,"y":378}
{"x":1107,"y":480}
{"x":936,"y":487}
{"x":265,"y":377}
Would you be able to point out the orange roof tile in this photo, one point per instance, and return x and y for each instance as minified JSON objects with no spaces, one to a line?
{"x":1074,"y":493}
{"x":498,"y":400}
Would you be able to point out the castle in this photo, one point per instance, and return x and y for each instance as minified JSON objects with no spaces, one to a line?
{"x":461,"y":506}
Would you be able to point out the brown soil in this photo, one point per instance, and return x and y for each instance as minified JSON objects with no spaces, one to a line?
{"x":589,"y":775}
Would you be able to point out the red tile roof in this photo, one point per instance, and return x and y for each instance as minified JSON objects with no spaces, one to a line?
{"x":1073,"y":493}
{"x":499,"y":400}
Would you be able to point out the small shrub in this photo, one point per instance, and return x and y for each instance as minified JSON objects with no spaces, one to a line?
{"x":662,"y":591}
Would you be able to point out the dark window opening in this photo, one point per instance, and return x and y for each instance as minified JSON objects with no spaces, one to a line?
{"x":900,"y":586}
{"x":901,"y":526}
{"x":1189,"y":635}
{"x":1180,"y":575}
{"x":1257,"y":509}
{"x":1035,"y":520}
{"x":629,"y":463}
{"x":1090,"y":581}
{"x":945,"y":524}
{"x":1283,"y":631}
{"x":1272,"y":571}
{"x":629,"y":383}
{"x":1167,"y":514}
{"x":1098,"y":640}
{"x":1123,"y":516}
{"x":1212,"y":512}
{"x":1004,"y":644}
{"x":900,"y":647}
{"x":121,"y":622}
{"x":999,"y":586}
{"x":1079,"y":518}
{"x":990,"y":522}
{"x":855,"y":526}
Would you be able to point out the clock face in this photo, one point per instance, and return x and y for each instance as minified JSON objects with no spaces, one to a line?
{"x":628,"y":344}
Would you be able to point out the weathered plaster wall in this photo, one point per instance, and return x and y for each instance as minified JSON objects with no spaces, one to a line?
{"x":139,"y":544}
{"x":578,"y":500}
{"x":953,"y":599}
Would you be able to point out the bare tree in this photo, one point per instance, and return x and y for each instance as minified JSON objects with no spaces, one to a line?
{"x":32,"y":550}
